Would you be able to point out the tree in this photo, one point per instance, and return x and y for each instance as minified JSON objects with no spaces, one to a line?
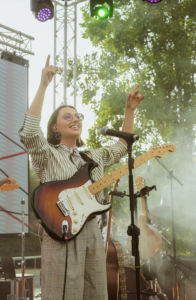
{"x":150,"y":44}
{"x":153,"y":45}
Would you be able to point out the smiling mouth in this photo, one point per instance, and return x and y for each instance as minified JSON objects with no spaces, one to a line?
{"x":74,"y":127}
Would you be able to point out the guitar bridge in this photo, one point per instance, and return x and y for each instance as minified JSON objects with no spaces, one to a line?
{"x":63,"y":208}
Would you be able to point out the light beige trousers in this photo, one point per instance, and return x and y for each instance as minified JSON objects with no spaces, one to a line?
{"x":86,"y":268}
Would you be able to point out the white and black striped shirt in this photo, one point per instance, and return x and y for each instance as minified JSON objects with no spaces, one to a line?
{"x":52,"y":162}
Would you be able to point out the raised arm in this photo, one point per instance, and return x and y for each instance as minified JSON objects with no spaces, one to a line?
{"x":30,"y":133}
{"x":47,"y":75}
{"x":133,"y":100}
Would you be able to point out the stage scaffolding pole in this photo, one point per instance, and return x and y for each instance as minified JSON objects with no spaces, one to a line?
{"x":65,"y":16}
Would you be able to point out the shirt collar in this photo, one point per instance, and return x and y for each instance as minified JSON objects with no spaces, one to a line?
{"x":75,"y":148}
{"x":60,"y":145}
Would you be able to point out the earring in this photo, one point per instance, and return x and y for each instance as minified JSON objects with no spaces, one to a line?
{"x":57,"y":135}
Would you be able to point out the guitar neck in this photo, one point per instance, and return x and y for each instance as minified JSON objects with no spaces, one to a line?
{"x":102,"y":183}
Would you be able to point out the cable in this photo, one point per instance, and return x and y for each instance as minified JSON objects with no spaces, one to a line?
{"x":12,"y":212}
{"x":12,"y":140}
{"x":65,"y":265}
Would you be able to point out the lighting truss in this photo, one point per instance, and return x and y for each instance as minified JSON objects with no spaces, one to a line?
{"x":65,"y":45}
{"x":15,"y":42}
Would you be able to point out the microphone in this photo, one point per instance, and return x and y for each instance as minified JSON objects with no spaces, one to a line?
{"x":123,"y":135}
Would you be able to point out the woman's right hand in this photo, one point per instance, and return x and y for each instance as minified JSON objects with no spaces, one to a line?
{"x":48,"y":73}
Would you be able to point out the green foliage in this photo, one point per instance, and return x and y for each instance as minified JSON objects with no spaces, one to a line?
{"x":152,"y":45}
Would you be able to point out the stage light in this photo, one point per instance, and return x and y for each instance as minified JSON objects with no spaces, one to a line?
{"x":153,"y":1}
{"x":101,"y":9}
{"x":43,"y":10}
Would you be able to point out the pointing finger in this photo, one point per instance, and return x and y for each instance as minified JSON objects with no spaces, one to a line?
{"x":47,"y":61}
{"x":137,"y":86}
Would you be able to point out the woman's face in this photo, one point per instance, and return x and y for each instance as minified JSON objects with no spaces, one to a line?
{"x":69,"y":129}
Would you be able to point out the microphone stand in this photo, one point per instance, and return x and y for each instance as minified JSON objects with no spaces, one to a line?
{"x":171,"y":177}
{"x":133,"y":230}
{"x":23,"y":246}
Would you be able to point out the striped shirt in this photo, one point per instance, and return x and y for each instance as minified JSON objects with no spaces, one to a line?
{"x":52,"y":162}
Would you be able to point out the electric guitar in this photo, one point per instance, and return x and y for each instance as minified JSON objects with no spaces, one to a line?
{"x":9,"y":187}
{"x":151,"y":242}
{"x":66,"y":205}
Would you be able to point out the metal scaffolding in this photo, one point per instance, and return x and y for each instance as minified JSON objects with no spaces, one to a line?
{"x":65,"y":17}
{"x":15,"y":42}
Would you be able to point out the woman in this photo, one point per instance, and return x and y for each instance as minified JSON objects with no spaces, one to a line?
{"x":57,"y":158}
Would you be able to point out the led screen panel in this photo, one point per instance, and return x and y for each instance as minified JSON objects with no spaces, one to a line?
{"x":13,"y":105}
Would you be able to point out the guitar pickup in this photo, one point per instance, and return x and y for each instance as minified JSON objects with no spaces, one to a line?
{"x":62,"y":206}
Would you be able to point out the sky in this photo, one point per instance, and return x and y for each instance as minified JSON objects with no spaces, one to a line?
{"x":17,"y":15}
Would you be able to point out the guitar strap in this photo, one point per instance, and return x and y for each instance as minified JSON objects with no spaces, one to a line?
{"x":86,"y":157}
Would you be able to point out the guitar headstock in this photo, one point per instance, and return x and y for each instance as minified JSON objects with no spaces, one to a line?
{"x":140,"y":183}
{"x":160,"y":150}
{"x":9,"y":187}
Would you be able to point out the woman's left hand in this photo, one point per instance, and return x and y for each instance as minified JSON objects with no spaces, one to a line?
{"x":133,"y":99}
{"x":10,"y":180}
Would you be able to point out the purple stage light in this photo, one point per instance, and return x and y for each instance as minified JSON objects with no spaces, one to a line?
{"x":44,"y":14}
{"x":153,"y":1}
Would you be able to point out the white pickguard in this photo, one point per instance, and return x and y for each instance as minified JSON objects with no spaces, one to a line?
{"x":78,"y":211}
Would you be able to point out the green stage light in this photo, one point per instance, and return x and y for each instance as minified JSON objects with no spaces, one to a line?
{"x":102,"y":12}
{"x":101,"y":9}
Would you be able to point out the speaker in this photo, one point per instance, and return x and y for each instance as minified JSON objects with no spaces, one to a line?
{"x":14,"y":287}
{"x":7,"y":287}
{"x":8,"y":267}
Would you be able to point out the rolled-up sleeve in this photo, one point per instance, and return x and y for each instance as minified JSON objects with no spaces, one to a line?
{"x":32,"y":137}
{"x":112,"y":154}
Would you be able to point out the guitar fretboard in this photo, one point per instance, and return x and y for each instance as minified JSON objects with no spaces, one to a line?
{"x":102,"y":183}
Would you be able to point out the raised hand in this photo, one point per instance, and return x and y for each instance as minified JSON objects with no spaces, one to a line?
{"x":133,"y":99}
{"x":48,"y":73}
{"x":10,"y":180}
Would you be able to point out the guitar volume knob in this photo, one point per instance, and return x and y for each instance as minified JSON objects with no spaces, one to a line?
{"x":75,"y":213}
{"x":74,"y":229}
{"x":76,"y":221}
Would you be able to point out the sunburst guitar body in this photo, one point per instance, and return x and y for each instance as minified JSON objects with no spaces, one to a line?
{"x":67,"y":204}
